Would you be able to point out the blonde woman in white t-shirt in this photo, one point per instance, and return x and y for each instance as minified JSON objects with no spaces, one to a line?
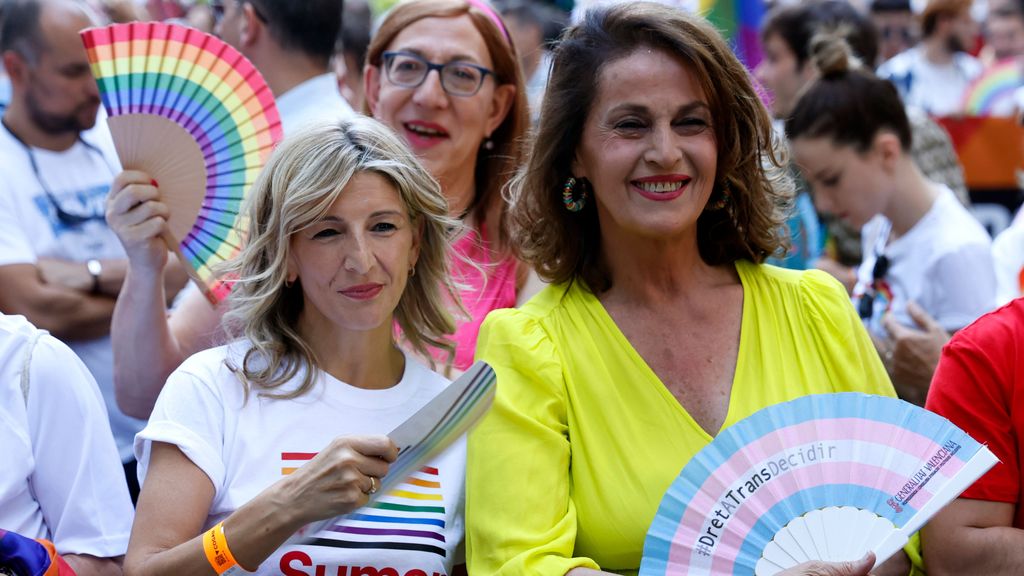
{"x":927,"y":267}
{"x":249,"y":442}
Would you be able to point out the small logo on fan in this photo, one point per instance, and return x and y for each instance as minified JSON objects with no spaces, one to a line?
{"x":931,"y":467}
{"x":895,"y":505}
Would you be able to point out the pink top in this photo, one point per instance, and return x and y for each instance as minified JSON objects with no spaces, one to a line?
{"x":490,"y":288}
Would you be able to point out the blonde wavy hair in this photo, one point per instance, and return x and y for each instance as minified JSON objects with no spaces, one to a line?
{"x":304,"y":177}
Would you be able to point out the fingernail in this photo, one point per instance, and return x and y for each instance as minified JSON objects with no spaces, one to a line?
{"x":153,"y":182}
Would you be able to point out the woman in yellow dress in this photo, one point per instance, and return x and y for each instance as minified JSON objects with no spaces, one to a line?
{"x":650,"y":199}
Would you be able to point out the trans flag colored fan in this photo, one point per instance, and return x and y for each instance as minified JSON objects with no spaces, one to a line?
{"x":197,"y":116}
{"x":824,"y":477}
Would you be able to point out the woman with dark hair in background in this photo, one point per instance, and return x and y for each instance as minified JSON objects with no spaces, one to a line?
{"x":923,"y":251}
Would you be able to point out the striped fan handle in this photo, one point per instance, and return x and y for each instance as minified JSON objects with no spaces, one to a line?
{"x":174,"y":246}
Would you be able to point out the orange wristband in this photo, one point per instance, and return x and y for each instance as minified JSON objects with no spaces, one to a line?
{"x":217,"y":552}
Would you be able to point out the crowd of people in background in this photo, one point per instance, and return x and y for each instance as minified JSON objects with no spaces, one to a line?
{"x":647,"y":238}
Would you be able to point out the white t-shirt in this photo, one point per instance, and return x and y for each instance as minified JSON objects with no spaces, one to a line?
{"x":938,"y":90}
{"x":943,"y":263}
{"x":79,"y":179}
{"x":1008,"y":254}
{"x":60,"y":477}
{"x":315,"y":100}
{"x":244,"y":447}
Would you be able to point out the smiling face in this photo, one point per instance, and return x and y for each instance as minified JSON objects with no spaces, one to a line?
{"x":848,"y":184}
{"x":354,"y":262}
{"x":648,"y":148}
{"x":444,"y":131}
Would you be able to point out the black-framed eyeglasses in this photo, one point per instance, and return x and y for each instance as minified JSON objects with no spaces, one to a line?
{"x":866,"y":307}
{"x":68,"y":219}
{"x":409,"y":70}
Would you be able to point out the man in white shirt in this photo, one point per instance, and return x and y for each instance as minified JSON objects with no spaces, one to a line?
{"x":60,"y":265}
{"x":934,"y":75}
{"x":61,"y":478}
{"x":291,"y":44}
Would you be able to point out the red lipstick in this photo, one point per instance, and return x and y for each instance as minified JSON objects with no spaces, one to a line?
{"x":362,"y":291}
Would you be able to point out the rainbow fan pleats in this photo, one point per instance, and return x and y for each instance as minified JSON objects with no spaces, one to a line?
{"x":824,"y":477}
{"x":194,"y":113}
{"x":992,"y":93}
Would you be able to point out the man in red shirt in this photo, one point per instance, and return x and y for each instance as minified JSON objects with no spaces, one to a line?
{"x":979,"y":386}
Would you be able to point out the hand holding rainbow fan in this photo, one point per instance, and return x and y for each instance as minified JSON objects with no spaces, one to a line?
{"x":198,"y":117}
{"x":824,"y":477}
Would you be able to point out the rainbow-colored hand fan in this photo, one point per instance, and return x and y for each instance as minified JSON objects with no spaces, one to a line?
{"x":824,"y":477}
{"x":992,"y":92}
{"x":197,"y":116}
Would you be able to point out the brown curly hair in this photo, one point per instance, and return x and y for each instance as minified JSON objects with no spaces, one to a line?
{"x":564,"y":246}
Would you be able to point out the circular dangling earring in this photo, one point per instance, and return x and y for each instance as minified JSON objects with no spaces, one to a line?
{"x":412,"y":271}
{"x":488,"y":144}
{"x":573,"y":204}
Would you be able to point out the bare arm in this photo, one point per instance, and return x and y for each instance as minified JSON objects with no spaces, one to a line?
{"x":176,"y":497}
{"x":66,"y":313}
{"x":147,"y":346}
{"x":76,"y":276}
{"x":973,"y":537}
{"x":85,"y":565}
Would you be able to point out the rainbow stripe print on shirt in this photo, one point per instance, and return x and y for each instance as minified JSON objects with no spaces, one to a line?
{"x":410,"y":517}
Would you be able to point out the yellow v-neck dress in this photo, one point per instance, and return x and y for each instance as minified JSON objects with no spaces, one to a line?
{"x":570,"y":465}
